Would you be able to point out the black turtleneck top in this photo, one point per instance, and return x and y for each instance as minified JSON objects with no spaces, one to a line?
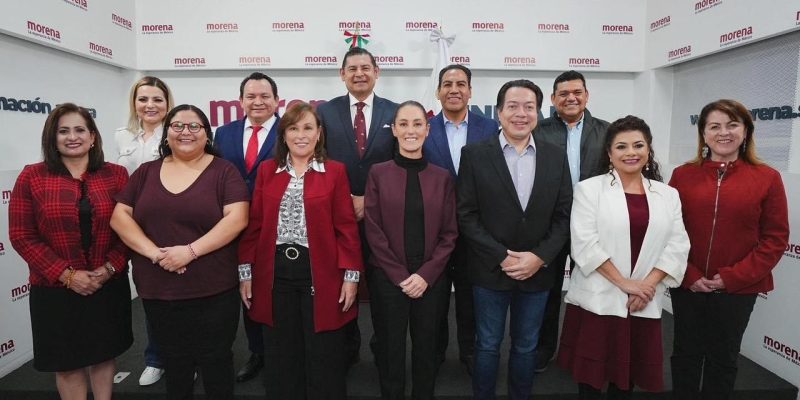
{"x":414,"y":216}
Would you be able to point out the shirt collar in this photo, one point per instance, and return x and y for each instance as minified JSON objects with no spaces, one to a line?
{"x":579,"y":124}
{"x":368,"y":101}
{"x":267,"y":124}
{"x":447,"y":121}
{"x":156,"y":132}
{"x":315,"y":165}
{"x":504,"y":142}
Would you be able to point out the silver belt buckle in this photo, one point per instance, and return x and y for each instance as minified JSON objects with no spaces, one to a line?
{"x":291,"y":253}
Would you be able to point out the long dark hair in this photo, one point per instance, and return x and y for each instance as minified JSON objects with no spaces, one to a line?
{"x":736,"y":112}
{"x":652,"y":170}
{"x":163,"y":148}
{"x":50,"y":154}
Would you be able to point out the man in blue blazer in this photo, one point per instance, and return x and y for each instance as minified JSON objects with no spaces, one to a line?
{"x":358,"y":133}
{"x":451,"y":129}
{"x":246,"y":143}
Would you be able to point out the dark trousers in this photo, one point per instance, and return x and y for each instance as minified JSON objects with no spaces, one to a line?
{"x":253,"y":331}
{"x":196,"y":333}
{"x":395,"y":314}
{"x":465,"y":311}
{"x":708,"y":335}
{"x":548,"y":336}
{"x":587,"y":392}
{"x":300,"y":364}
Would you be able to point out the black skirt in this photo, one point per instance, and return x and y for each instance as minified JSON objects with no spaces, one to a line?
{"x":71,"y":331}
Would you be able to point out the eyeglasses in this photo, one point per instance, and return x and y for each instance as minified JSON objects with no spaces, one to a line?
{"x":194,"y":127}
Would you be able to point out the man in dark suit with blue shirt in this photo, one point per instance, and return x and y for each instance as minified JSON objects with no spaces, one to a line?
{"x":246,"y":143}
{"x":451,"y":129}
{"x":358,"y":133}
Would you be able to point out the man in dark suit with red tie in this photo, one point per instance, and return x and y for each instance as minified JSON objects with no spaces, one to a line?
{"x":246,"y":143}
{"x":357,"y":129}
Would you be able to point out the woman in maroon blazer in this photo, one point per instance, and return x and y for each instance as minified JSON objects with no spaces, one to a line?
{"x":303,"y":249}
{"x":411,"y":228}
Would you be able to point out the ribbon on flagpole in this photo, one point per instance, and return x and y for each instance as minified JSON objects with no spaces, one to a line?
{"x":356,"y":39}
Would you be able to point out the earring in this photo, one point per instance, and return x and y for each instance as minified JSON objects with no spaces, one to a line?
{"x":744,"y":147}
{"x":704,"y":153}
{"x":610,"y":167}
{"x":647,"y":166}
{"x":91,"y":146}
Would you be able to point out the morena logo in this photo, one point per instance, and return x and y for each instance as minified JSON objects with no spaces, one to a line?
{"x":44,"y":32}
{"x":20,"y":292}
{"x":736,"y":36}
{"x":317,"y":61}
{"x":103,"y":51}
{"x":679,"y":53}
{"x":792,"y":250}
{"x":424,"y":26}
{"x":519,"y":61}
{"x":232,"y":110}
{"x":488,"y":27}
{"x":769,"y":114}
{"x":183,"y":62}
{"x":617,"y":29}
{"x":254,"y":61}
{"x":463,"y":60}
{"x":157,"y":29}
{"x":78,"y":3}
{"x":288,"y":26}
{"x":553,"y":28}
{"x":6,"y":194}
{"x":353,"y":25}
{"x":659,"y":23}
{"x":584,"y":62}
{"x":223,"y":27}
{"x":389,"y":60}
{"x":784,"y":350}
{"x":120,"y":21}
{"x":704,"y":5}
{"x":797,"y":18}
{"x":6,"y":347}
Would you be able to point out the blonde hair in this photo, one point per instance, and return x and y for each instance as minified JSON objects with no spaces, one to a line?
{"x":134,"y":125}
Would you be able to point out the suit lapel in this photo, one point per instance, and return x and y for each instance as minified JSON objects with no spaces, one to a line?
{"x":376,"y":123}
{"x":269,"y":144}
{"x":347,"y":123}
{"x":439,"y":139}
{"x":495,"y":155}
{"x":237,"y":138}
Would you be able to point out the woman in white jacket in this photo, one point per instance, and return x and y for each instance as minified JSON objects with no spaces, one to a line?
{"x":629,"y":245}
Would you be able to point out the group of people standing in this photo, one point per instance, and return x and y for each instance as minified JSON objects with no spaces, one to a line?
{"x":285,"y":217}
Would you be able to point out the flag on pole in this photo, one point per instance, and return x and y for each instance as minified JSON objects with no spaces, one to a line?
{"x":430,"y":102}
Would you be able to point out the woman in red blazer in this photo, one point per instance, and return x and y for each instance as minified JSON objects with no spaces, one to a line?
{"x":300,"y":262}
{"x":411,"y":228}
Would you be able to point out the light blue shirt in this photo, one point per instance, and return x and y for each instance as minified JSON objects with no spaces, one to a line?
{"x":574,"y":150}
{"x":522,"y":168}
{"x":456,"y":138}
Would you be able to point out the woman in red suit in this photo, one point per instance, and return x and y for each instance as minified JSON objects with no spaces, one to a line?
{"x":735,"y":212}
{"x":300,"y":262}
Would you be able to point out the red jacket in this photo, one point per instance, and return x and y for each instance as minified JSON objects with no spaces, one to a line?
{"x":333,"y":240}
{"x":752,"y":223}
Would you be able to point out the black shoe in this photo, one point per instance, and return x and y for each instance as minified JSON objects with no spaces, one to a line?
{"x":251,"y":368}
{"x":542,"y":361}
{"x":469,"y":363}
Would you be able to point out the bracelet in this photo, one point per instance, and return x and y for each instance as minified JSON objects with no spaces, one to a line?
{"x":110,"y":268}
{"x":69,"y":277}
{"x":245,"y":272}
{"x":352,"y":276}
{"x":191,"y":250}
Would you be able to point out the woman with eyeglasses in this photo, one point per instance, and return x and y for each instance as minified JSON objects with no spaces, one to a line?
{"x":59,"y":224}
{"x":180,"y":215}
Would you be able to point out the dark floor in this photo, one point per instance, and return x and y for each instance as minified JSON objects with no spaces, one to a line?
{"x":754,"y":382}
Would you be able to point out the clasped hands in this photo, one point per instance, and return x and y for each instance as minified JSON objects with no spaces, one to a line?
{"x":521,"y":265}
{"x":172,"y":259}
{"x":705,"y":285}
{"x":86,"y":282}
{"x":640,"y":293}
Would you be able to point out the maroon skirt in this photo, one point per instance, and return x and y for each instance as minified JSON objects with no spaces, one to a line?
{"x":598,"y":349}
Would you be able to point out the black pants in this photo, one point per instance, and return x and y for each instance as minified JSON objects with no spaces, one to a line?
{"x":708,"y":335}
{"x":196,"y":333}
{"x":300,"y":364}
{"x":253,"y":331}
{"x":394,"y":315}
{"x":465,"y":311}
{"x":587,"y":392}
{"x":548,"y":335}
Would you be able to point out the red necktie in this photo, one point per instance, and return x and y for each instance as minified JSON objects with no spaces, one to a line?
{"x":251,"y":155}
{"x":360,"y":126}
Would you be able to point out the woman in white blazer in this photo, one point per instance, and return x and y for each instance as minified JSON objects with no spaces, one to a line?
{"x":629,"y":245}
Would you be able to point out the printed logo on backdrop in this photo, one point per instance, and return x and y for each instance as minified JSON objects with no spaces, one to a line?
{"x":6,"y":347}
{"x":231,"y":110}
{"x":120,"y":21}
{"x":189,"y":62}
{"x":488,"y":27}
{"x":705,"y":5}
{"x":769,"y":114}
{"x":20,"y":292}
{"x":553,"y":28}
{"x":519,"y":61}
{"x":421,"y":26}
{"x":101,"y":51}
{"x":462,"y":60}
{"x":797,"y":18}
{"x":784,"y":350}
{"x":35,"y":106}
{"x":792,"y":250}
{"x":157,"y":29}
{"x":6,"y":195}
{"x":78,"y":3}
{"x":679,"y":53}
{"x":659,"y":23}
{"x":222,"y":27}
{"x":736,"y":36}
{"x":617,"y":29}
{"x":584,"y":62}
{"x":763,"y":295}
{"x":2,"y":249}
{"x":254,"y":61}
{"x":44,"y":32}
{"x":363,"y":26}
{"x":320,"y":61}
{"x":389,"y":61}
{"x":288,"y":26}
